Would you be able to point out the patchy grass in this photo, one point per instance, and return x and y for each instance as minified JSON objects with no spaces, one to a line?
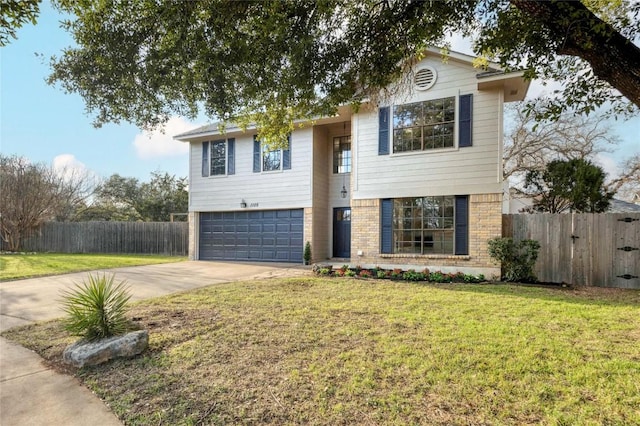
{"x":347,"y":351}
{"x":18,"y":266}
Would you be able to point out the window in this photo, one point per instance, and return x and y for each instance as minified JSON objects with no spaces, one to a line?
{"x":271,"y":160}
{"x":424,"y":225}
{"x":342,"y":154}
{"x":218,"y":157}
{"x":424,"y":125}
{"x":266,"y":160}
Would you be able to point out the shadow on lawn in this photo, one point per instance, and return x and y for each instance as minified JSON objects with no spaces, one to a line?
{"x":596,"y":296}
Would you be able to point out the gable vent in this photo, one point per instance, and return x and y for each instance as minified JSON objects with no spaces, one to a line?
{"x":425,"y":78}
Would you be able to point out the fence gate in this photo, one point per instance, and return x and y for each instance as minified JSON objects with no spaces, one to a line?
{"x":583,"y":249}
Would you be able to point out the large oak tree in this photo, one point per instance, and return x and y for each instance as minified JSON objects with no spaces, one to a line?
{"x":274,"y":61}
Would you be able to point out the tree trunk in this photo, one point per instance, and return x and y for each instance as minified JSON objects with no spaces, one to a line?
{"x":579,"y":32}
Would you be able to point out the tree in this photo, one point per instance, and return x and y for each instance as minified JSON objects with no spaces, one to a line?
{"x":275,"y":61}
{"x":127,"y":199}
{"x":13,"y":15}
{"x":30,"y":194}
{"x":530,"y":145}
{"x":575,"y":185}
{"x":163,"y":195}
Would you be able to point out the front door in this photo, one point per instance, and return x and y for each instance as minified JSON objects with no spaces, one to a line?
{"x":342,"y":232}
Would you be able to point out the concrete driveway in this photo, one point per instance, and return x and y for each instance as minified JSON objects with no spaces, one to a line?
{"x":30,"y":394}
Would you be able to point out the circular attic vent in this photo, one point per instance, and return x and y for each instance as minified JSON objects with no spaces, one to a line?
{"x":425,"y":78}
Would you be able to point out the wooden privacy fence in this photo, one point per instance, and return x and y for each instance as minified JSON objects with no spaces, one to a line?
{"x":582,"y":249}
{"x":167,"y":238}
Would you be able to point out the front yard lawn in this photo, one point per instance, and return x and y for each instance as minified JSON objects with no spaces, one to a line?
{"x":349,"y":351}
{"x":18,"y":266}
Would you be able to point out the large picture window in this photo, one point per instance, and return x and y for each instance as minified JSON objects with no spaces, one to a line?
{"x":424,"y":125}
{"x":342,"y":154}
{"x":424,"y":225}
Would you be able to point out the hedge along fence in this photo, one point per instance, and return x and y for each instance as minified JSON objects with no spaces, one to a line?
{"x":166,"y":238}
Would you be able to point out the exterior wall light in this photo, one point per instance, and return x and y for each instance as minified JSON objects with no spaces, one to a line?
{"x":343,"y":192}
{"x":243,"y":204}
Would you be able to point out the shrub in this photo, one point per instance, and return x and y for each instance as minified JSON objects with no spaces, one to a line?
{"x":365,"y":273}
{"x":381,"y":274}
{"x":517,"y":259}
{"x":96,"y":308}
{"x":307,"y":253}
{"x":412,"y":275}
{"x":396,"y":274}
{"x":350,"y":273}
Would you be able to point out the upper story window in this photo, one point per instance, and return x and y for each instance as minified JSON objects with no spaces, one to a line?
{"x":342,"y":154}
{"x":218,"y":158}
{"x":424,"y":125}
{"x":271,"y":160}
{"x":268,"y":160}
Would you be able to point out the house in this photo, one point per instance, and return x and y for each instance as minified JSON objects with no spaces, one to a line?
{"x":416,"y":182}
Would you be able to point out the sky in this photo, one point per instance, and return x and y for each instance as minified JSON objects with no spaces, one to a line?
{"x":44,"y":124}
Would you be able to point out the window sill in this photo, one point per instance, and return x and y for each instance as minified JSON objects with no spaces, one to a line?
{"x":455,"y":148}
{"x":426,"y":256}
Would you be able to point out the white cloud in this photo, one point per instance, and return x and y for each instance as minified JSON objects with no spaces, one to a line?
{"x":68,"y":166}
{"x":160,"y":142}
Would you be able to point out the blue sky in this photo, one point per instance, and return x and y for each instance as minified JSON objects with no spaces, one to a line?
{"x":45,"y":124}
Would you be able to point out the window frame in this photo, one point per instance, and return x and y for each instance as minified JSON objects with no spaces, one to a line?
{"x":442,"y":224}
{"x":264,"y":151}
{"x":339,"y":159}
{"x":224,"y":157}
{"x":421,"y":124}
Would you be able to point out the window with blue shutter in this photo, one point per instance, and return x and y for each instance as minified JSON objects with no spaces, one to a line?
{"x":256,"y":155}
{"x":231,"y":156}
{"x":286,"y":155}
{"x":383,"y":131}
{"x":386,"y":226}
{"x":205,"y":159}
{"x":465,"y":121}
{"x":462,"y":225}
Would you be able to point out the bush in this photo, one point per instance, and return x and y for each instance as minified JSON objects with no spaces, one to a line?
{"x":307,"y":253}
{"x":96,"y":308}
{"x":518,"y":259}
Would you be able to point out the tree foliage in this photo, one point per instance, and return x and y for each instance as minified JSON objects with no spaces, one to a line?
{"x":275,"y":61}
{"x":530,"y":145}
{"x":32,"y":193}
{"x":127,"y":199}
{"x":575,"y":185}
{"x":13,"y":15}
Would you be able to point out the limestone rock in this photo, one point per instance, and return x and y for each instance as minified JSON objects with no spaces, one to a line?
{"x":85,"y":353}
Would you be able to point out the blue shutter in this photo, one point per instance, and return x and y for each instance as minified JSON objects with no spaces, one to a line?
{"x":462,"y":224}
{"x":286,"y":155}
{"x":256,"y":154}
{"x":386,"y":226}
{"x":205,"y":159}
{"x":464,"y":121}
{"x":231,"y":156}
{"x":383,"y":131}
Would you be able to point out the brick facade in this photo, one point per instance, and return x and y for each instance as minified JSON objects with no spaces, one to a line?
{"x":485,"y":222}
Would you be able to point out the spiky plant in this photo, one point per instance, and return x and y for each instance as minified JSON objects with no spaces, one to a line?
{"x":96,"y":308}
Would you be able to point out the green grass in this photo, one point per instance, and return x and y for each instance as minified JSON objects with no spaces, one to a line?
{"x":346,"y":351}
{"x":18,"y":266}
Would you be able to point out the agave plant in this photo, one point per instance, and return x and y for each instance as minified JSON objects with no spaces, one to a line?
{"x":96,"y":308}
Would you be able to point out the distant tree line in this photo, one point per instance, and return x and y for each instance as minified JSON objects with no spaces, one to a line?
{"x":34,"y":193}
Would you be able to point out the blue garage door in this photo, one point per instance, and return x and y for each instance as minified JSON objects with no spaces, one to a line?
{"x":268,"y":235}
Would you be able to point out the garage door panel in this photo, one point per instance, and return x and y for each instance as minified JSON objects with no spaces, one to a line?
{"x":270,"y":235}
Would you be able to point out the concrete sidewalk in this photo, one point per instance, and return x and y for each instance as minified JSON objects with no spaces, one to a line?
{"x":31,"y":394}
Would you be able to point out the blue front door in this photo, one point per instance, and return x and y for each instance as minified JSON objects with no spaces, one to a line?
{"x":342,"y":232}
